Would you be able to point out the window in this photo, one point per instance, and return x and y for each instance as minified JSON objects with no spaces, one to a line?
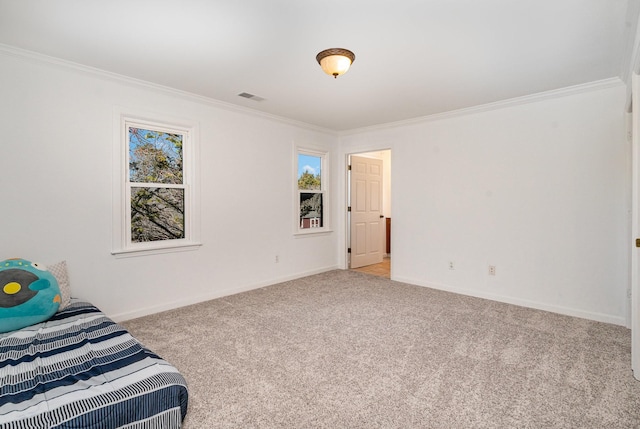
{"x":311,"y":188}
{"x":156,"y":184}
{"x":157,"y":199}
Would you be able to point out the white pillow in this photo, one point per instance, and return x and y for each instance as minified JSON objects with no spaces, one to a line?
{"x":59,"y":271}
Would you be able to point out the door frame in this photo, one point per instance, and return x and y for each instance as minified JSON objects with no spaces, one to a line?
{"x":635,"y":226}
{"x":346,"y":198}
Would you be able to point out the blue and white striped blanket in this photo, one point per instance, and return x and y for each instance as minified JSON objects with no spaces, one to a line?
{"x":81,"y":370}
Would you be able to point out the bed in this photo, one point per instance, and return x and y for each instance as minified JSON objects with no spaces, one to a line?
{"x":79,"y":369}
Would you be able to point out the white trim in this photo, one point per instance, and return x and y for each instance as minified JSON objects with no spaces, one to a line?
{"x":121,"y":240}
{"x":312,"y":232}
{"x":628,"y":311}
{"x":180,"y":246}
{"x":533,"y":98}
{"x":122,"y":79}
{"x":635,"y":232}
{"x":121,"y":317}
{"x":598,"y":317}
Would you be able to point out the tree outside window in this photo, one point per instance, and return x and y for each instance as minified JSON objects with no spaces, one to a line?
{"x":156,"y":184}
{"x":310,"y":190}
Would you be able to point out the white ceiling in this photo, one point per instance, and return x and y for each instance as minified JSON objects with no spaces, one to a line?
{"x":413,"y":57}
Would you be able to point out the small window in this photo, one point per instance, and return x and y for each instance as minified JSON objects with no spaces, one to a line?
{"x":311,"y":190}
{"x":157,"y":210}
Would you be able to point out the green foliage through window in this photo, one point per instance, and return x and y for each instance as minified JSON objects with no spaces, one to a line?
{"x":309,"y":181}
{"x":156,"y":159}
{"x":157,"y":214}
{"x":154,"y":156}
{"x":309,"y":172}
{"x":310,"y":190}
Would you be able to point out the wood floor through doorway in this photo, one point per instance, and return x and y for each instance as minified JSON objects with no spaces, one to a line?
{"x":383,"y":269}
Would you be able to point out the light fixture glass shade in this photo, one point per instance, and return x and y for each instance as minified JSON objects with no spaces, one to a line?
{"x":335,"y":62}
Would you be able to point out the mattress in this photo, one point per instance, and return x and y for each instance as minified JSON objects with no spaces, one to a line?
{"x":80,"y":369}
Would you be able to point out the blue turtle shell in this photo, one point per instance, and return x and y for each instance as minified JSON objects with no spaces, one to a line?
{"x":29,"y":294}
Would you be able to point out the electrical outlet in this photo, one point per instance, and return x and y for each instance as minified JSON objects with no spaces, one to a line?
{"x":492,"y":270}
{"x":277,"y":259}
{"x":451,"y":266}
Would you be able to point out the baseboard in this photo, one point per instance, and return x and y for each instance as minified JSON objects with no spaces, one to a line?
{"x":121,"y":317}
{"x":567,"y":311}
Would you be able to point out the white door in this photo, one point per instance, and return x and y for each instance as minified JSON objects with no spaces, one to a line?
{"x":366,"y":211}
{"x":635,"y":227}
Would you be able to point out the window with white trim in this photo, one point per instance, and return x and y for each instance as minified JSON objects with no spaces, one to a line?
{"x":157,"y":198}
{"x":311,"y":191}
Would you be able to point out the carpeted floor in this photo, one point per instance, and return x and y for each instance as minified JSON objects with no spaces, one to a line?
{"x":350,"y":350}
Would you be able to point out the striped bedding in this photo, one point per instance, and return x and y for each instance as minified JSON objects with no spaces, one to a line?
{"x":81,"y":370}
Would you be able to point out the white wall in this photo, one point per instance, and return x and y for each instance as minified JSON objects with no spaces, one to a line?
{"x":56,"y":181}
{"x":539,"y":189}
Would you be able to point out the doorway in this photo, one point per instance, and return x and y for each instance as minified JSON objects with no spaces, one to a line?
{"x":369,"y":212}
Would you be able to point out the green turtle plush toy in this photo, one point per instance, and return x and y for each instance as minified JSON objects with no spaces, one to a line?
{"x":29,"y":294}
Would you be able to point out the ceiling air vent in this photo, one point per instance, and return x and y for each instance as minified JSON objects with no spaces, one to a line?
{"x":250,"y":96}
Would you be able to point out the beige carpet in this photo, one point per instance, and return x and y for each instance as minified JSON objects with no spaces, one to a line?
{"x":350,"y":350}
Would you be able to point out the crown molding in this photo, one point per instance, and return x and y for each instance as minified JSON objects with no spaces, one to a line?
{"x":511,"y":102}
{"x":166,"y":90}
{"x":122,"y":79}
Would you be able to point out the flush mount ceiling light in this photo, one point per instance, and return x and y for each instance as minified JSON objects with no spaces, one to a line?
{"x":335,"y":61}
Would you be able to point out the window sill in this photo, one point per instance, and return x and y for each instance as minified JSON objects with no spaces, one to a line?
{"x":302,"y":234}
{"x":144,"y":251}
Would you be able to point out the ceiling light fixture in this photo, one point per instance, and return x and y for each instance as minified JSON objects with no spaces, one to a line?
{"x":335,"y":61}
